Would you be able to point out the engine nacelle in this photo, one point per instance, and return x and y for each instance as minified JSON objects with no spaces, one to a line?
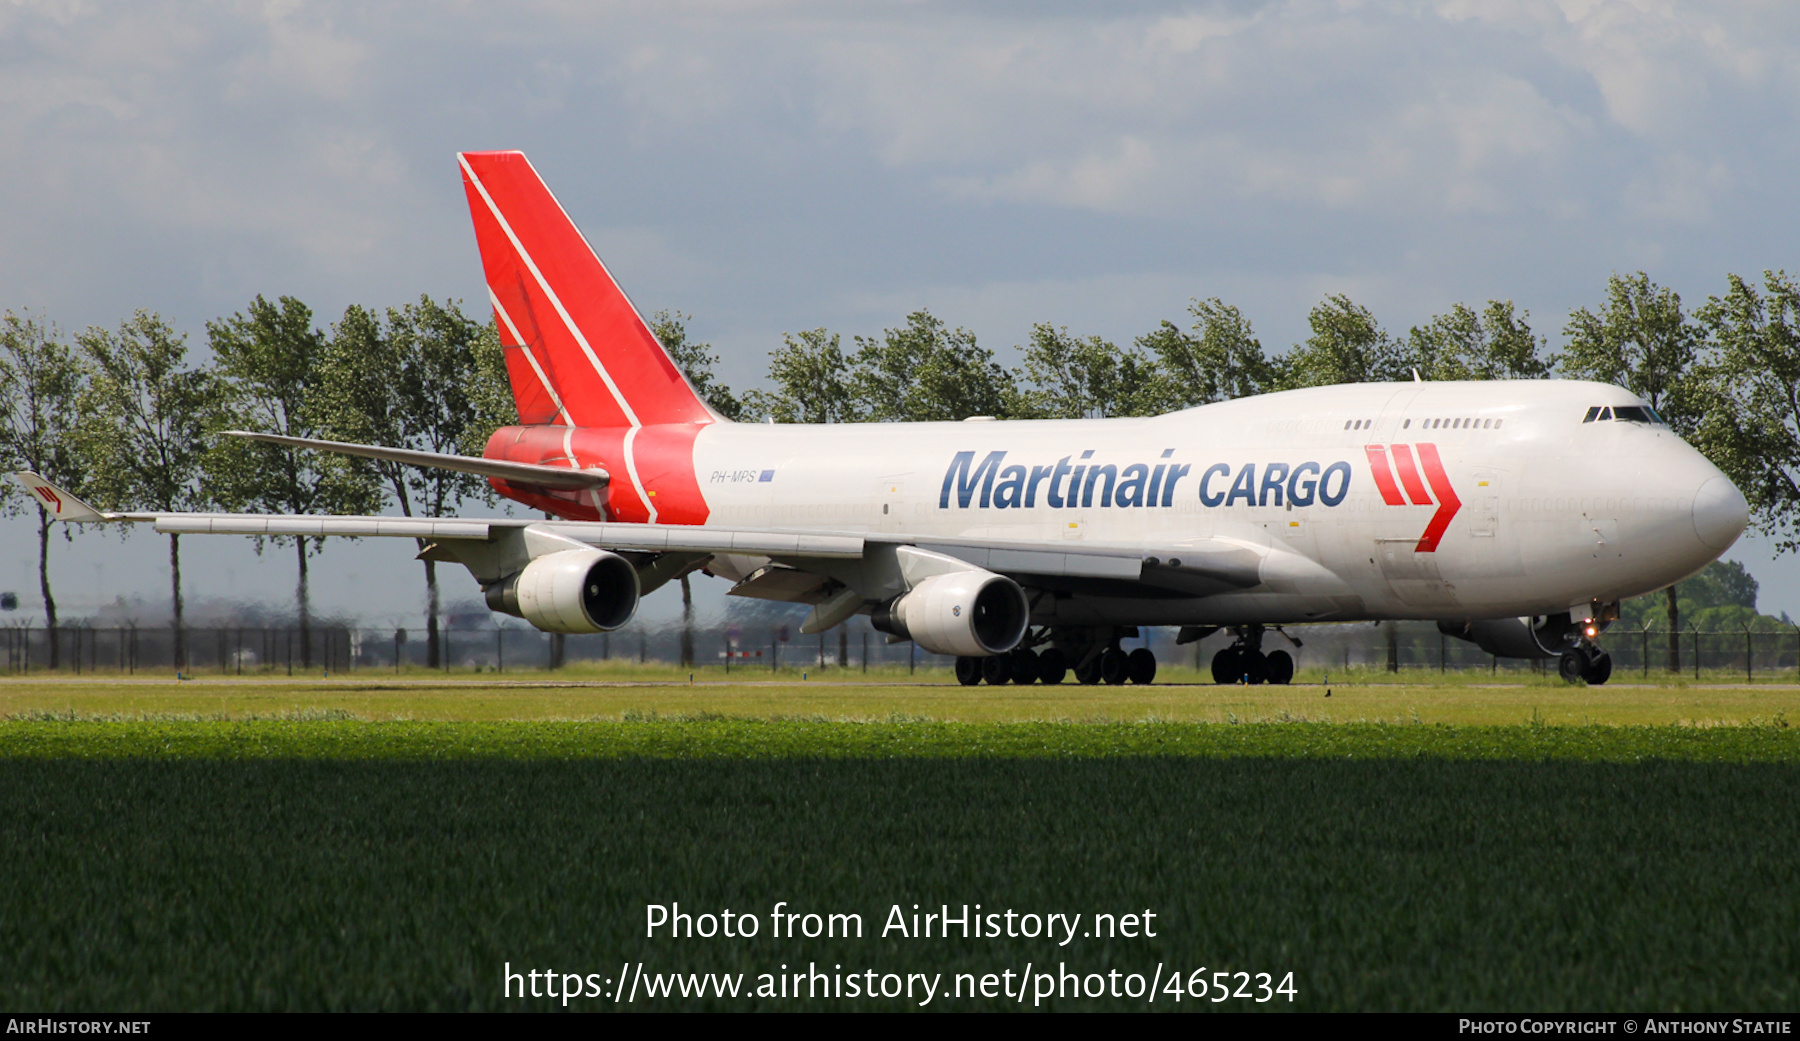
{"x":1539,"y":636}
{"x":572,"y":591}
{"x":973,"y":612}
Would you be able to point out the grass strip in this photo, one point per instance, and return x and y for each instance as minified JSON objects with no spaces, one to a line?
{"x":721,"y":738}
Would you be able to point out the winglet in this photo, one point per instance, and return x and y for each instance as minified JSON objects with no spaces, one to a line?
{"x":62,"y":505}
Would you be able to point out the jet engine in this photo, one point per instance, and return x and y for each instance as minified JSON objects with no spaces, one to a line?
{"x":1538,"y":636}
{"x":974,"y":613}
{"x":571,"y":591}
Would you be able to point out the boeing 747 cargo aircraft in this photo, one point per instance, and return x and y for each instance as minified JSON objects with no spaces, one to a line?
{"x":1515,"y":514}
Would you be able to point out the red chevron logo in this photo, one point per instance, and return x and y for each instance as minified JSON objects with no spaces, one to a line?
{"x":1409,"y":472}
{"x":49,"y":495}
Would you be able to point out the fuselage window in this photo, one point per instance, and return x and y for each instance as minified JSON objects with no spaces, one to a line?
{"x":1497,"y":423}
{"x":1346,"y":424}
{"x":1406,"y":425}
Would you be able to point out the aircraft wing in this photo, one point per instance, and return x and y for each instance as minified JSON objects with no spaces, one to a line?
{"x":1196,"y":567}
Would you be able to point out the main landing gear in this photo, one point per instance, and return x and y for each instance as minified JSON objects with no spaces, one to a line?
{"x":1094,"y":656}
{"x":1585,"y":662}
{"x":1245,"y":662}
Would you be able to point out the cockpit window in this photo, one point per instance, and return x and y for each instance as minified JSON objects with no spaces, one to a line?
{"x":1624,"y":413}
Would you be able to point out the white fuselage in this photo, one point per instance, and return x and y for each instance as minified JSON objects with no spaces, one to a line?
{"x":1549,"y":510}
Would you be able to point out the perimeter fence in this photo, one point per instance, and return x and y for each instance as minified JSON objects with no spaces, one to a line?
{"x":1765,"y":654}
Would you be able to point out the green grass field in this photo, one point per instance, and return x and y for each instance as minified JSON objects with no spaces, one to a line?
{"x":394,"y":845}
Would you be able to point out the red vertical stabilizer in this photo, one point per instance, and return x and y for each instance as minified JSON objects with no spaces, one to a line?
{"x":577,"y":351}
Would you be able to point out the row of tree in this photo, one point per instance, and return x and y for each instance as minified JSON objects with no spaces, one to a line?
{"x":129,"y":419}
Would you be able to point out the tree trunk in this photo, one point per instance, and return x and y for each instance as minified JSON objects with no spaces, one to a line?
{"x":175,"y":585}
{"x":304,"y":602}
{"x":687,"y":623}
{"x":432,"y":647}
{"x":44,"y":584}
{"x":1674,"y":637}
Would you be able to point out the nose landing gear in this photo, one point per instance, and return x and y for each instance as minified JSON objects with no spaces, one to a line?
{"x":1245,"y":662}
{"x":1585,"y":662}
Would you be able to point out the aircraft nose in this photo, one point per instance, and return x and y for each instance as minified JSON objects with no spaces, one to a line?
{"x":1720,"y":513}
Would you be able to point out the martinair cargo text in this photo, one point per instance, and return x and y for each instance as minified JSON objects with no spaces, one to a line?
{"x":1514,"y":514}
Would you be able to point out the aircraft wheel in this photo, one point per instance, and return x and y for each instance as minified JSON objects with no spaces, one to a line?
{"x":1140,"y":666}
{"x":1114,"y":668}
{"x":1281,"y":667}
{"x":1225,"y":666}
{"x":997,"y":669}
{"x":968,"y":670}
{"x":1051,"y":666}
{"x":1599,"y":668}
{"x":1024,"y":663}
{"x":1088,"y":672}
{"x":1572,"y":665}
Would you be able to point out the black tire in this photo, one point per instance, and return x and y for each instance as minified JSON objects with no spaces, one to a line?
{"x":1052,"y":666}
{"x":1572,"y":665}
{"x":1599,"y":668}
{"x":968,"y":671}
{"x":1113,"y":667}
{"x":1281,"y":667}
{"x":1024,"y":662}
{"x":1140,"y":666}
{"x":1087,"y":673}
{"x":1255,"y":668}
{"x":1225,"y":666}
{"x":997,"y":670}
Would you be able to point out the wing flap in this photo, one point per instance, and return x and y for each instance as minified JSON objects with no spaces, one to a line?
{"x":353,"y":527}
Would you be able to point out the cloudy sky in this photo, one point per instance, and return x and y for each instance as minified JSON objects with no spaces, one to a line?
{"x":770,"y":167}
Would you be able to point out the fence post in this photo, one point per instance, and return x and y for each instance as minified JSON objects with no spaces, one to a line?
{"x":865,"y":649}
{"x":1696,"y":651}
{"x":1646,"y":650}
{"x":499,"y":649}
{"x":1443,"y":652}
{"x":1749,"y":655}
{"x":774,"y":654}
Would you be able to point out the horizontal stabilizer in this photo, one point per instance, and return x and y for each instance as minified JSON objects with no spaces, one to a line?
{"x":62,"y":505}
{"x":517,"y":473}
